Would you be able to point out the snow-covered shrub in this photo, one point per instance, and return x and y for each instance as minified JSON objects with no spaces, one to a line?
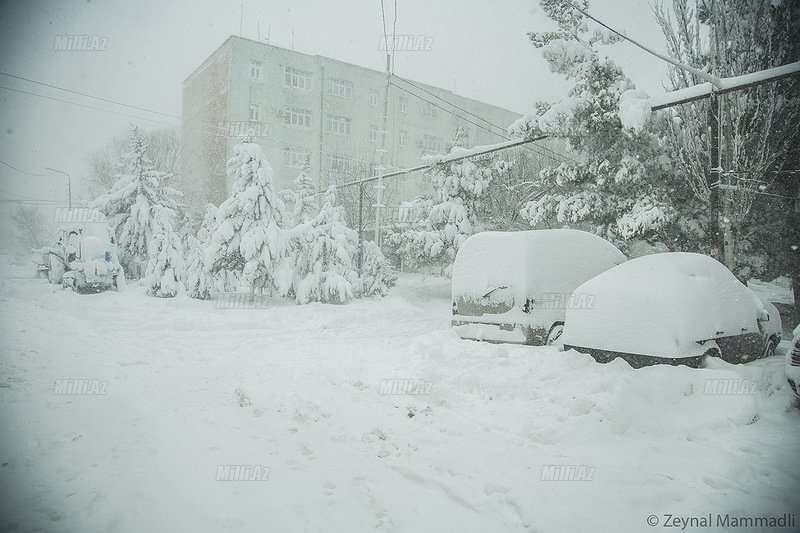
{"x":377,"y":276}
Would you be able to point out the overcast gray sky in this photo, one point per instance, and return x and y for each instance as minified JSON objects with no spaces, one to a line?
{"x":480,"y":48}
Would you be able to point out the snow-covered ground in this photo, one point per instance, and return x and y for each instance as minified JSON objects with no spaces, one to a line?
{"x":297,"y":389}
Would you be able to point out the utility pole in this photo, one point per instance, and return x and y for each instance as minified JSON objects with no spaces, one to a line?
{"x":713,"y":179}
{"x":69,"y":183}
{"x":379,"y":188}
{"x":360,"y":261}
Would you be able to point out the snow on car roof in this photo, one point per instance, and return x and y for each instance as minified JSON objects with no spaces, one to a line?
{"x":661,"y":305}
{"x":531,"y":262}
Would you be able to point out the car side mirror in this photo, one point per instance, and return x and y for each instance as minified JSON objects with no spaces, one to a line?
{"x":763,"y":316}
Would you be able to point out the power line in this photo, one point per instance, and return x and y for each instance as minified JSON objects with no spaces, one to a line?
{"x":394,"y":35}
{"x":555,"y":155}
{"x":28,"y":173}
{"x":449,"y":103}
{"x":85,"y":105}
{"x":89,"y":95}
{"x":704,"y":75}
{"x":531,"y":148}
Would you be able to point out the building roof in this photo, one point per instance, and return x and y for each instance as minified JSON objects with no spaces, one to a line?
{"x":325,"y":58}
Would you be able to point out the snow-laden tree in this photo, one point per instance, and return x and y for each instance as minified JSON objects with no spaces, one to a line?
{"x":460,"y":186}
{"x":198,"y":281}
{"x":248,"y":242}
{"x":324,"y":267}
{"x":186,"y":230}
{"x":377,"y":276}
{"x":759,"y":130}
{"x":165,"y":269}
{"x":131,"y":203}
{"x":613,"y":181}
{"x":301,"y":199}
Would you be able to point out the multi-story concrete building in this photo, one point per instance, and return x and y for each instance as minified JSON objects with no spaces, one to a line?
{"x":316,"y":111}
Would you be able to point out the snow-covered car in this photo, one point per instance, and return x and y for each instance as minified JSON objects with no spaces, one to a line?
{"x":671,"y":308}
{"x":793,"y":362}
{"x":515,"y":286}
{"x":772,"y":328}
{"x":84,"y":257}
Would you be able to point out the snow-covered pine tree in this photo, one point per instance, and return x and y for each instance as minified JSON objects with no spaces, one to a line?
{"x":460,"y":186}
{"x":248,"y":241}
{"x":165,"y":268}
{"x":129,"y":205}
{"x":186,"y":230}
{"x":199,"y":282}
{"x":325,"y":269}
{"x":301,"y":198}
{"x":615,"y":183}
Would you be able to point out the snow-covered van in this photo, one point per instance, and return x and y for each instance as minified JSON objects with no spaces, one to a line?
{"x":671,"y":308}
{"x":516,"y":286}
{"x":84,"y":256}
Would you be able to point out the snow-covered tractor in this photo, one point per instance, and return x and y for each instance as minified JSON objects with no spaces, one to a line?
{"x":83,"y":258}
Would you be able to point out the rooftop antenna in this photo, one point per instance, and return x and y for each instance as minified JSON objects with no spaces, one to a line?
{"x":241,"y":18}
{"x":269,"y":31}
{"x":292,"y":39}
{"x":258,"y":28}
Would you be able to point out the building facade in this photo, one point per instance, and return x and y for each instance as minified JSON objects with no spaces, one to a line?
{"x":319,"y":113}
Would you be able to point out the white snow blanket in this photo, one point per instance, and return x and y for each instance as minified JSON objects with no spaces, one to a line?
{"x":489,"y":438}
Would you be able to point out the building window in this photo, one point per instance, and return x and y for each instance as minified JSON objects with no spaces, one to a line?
{"x":402,"y":137}
{"x":373,"y":97}
{"x":295,"y":157}
{"x":429,"y":111}
{"x":340,"y":88}
{"x":337,"y":168}
{"x":340,"y":125}
{"x":431,"y":143}
{"x":373,"y":133}
{"x":255,"y":112}
{"x":297,"y":79}
{"x":297,"y":117}
{"x":255,"y":70}
{"x":403,"y":104}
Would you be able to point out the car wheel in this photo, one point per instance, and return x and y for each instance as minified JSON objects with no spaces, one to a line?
{"x":555,"y":334}
{"x":711,"y":352}
{"x":769,"y":350}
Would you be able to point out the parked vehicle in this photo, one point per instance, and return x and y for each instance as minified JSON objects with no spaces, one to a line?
{"x":671,"y":308}
{"x":793,"y":362}
{"x":771,"y":329}
{"x":516,"y":286}
{"x":83,"y":258}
